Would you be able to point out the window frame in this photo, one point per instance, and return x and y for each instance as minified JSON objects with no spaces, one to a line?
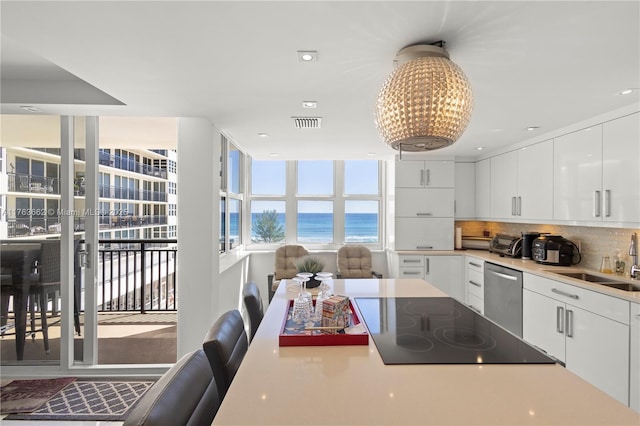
{"x":227,"y":196}
{"x":338,"y":198}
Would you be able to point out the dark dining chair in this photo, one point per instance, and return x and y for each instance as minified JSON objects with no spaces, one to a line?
{"x":225,"y":345}
{"x":253,"y":303}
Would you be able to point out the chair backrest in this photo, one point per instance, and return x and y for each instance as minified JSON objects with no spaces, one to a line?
{"x":225,"y":345}
{"x":354,"y":262}
{"x":285,"y":256}
{"x":186,"y":394}
{"x":253,"y":303}
{"x":49,"y":264}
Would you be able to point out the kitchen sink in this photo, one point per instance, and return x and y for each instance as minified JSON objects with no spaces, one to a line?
{"x":587,"y":277}
{"x":596,"y":279}
{"x":623,"y":286}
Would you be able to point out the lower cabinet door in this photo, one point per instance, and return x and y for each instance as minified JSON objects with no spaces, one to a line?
{"x":634,"y":376}
{"x":445,"y":272}
{"x":597,"y":350}
{"x":543,"y":323}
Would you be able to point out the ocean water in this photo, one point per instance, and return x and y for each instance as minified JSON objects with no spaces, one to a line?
{"x":318,"y":227}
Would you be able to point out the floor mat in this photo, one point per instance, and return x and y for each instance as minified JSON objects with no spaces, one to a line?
{"x":91,"y":399}
{"x":24,"y":396}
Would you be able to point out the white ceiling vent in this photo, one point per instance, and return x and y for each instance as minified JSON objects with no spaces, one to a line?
{"x":307,"y":122}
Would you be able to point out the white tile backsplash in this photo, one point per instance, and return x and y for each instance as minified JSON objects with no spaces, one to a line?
{"x":594,"y":242}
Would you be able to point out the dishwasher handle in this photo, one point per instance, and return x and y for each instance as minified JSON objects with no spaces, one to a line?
{"x":501,"y":275}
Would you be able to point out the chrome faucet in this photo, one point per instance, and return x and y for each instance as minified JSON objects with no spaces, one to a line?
{"x":633,"y":252}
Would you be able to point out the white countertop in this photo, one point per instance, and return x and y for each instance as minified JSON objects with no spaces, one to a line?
{"x":547,"y":271}
{"x":350,"y":385}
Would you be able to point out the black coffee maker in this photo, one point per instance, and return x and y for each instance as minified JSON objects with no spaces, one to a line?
{"x":527,"y":242}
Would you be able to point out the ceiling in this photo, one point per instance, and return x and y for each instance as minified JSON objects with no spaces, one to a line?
{"x":530,"y":63}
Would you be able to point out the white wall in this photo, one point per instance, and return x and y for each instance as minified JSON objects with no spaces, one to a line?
{"x":198,"y":224}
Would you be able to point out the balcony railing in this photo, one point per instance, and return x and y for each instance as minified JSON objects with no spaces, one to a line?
{"x":18,"y":182}
{"x":40,"y":225}
{"x":128,"y":164}
{"x":137,"y":275}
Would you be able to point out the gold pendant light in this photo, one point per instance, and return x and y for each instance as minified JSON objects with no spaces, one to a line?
{"x":426,"y":102}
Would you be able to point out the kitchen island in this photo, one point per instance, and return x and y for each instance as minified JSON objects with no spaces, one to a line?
{"x":350,"y":385}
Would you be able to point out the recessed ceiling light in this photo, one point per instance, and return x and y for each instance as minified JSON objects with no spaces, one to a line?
{"x":626,"y":91}
{"x":29,"y":108}
{"x":273,"y":154}
{"x":480,"y":148}
{"x":371,"y":154}
{"x":309,"y":104}
{"x":307,"y":55}
{"x":263,"y":135}
{"x":532,"y":128}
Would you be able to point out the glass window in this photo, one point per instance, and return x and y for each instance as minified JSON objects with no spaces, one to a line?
{"x":315,"y":177}
{"x":361,"y":222}
{"x":315,"y":222}
{"x":235,"y":219}
{"x":267,"y":221}
{"x":233,"y":169}
{"x":223,"y":209}
{"x":268,"y":177}
{"x":361,"y":177}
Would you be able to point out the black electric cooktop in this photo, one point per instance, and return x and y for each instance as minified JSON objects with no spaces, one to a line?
{"x":440,"y":330}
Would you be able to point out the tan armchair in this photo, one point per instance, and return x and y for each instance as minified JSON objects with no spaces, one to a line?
{"x":355,"y":262}
{"x":284,"y":267}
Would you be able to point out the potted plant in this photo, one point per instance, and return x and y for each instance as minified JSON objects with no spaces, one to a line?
{"x":312,"y":265}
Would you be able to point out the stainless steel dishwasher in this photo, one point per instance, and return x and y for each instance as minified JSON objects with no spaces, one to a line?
{"x":503,"y":297}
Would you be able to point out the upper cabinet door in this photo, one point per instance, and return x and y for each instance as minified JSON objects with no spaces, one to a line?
{"x":483,"y":189}
{"x":465,"y":191}
{"x":621,"y":169}
{"x":577,"y":176}
{"x":504,"y":185}
{"x":535,"y":181}
{"x":425,"y":174}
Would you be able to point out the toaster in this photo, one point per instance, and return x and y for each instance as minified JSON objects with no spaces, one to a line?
{"x":552,"y":250}
{"x":506,"y":245}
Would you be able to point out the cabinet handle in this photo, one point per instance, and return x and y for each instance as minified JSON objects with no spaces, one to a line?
{"x":519,"y":206}
{"x":421,"y":177}
{"x":569,"y":323}
{"x":560,"y":319}
{"x":475,"y":283}
{"x":424,"y":247}
{"x":410,"y":260}
{"x":411,"y":273}
{"x":428,"y":177}
{"x":427,"y":265}
{"x":596,"y":203}
{"x":477,"y":265}
{"x":607,"y":203}
{"x":505,"y":276}
{"x":513,"y":206}
{"x":424,"y":214}
{"x":564,"y":293}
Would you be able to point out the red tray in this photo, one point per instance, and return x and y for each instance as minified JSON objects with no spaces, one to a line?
{"x":303,"y":337}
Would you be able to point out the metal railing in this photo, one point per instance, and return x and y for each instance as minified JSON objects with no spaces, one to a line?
{"x":137,"y":275}
{"x":41,"y":225}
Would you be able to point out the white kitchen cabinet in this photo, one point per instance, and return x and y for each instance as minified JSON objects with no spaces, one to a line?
{"x":425,"y":174}
{"x":465,"y":191}
{"x":474,"y":283}
{"x":634,"y":368}
{"x":596,"y":173}
{"x":445,"y":272}
{"x":483,"y":189}
{"x":535,"y":181}
{"x":621,"y":169}
{"x":411,"y":266}
{"x":425,"y":203}
{"x":586,"y":330}
{"x":415,"y":233}
{"x":522,"y":183}
{"x":578,"y":175}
